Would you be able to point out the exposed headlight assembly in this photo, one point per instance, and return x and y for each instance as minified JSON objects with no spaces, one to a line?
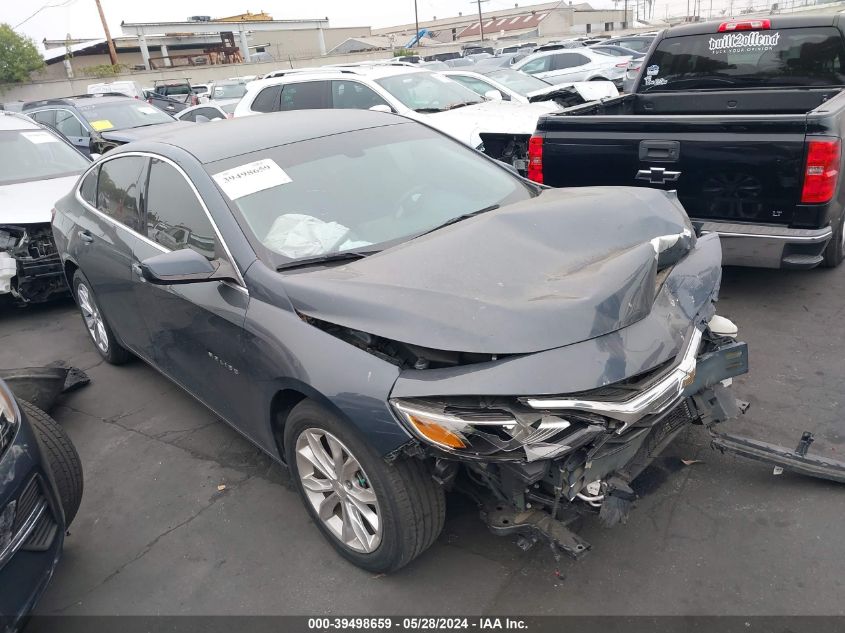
{"x":485,"y":433}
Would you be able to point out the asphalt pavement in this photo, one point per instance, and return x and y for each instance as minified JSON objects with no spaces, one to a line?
{"x":181,"y":515}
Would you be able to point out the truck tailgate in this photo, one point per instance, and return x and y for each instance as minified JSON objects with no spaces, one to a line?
{"x":739,"y":168}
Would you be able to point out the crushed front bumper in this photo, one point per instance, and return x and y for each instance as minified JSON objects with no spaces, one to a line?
{"x":30,"y":267}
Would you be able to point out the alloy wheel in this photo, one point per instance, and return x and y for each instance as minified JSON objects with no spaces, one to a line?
{"x":339,"y":490}
{"x":93,"y":319}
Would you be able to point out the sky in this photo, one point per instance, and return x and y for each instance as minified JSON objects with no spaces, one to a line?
{"x":79,"y":18}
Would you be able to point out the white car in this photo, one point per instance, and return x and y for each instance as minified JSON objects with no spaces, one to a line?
{"x":129,"y":88}
{"x":566,"y":65}
{"x":216,"y":110}
{"x":37,"y":167}
{"x":518,"y":87}
{"x":500,"y":128}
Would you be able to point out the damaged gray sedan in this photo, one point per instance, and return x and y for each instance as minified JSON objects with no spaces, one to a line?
{"x":393,"y":315}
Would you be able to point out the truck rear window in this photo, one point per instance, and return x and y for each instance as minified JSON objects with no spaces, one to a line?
{"x":747,"y":59}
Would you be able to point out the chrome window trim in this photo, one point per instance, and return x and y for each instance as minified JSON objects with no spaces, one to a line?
{"x":71,"y":112}
{"x":241,"y":283}
{"x":655,"y":399}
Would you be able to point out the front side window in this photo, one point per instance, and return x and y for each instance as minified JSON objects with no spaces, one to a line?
{"x":636,"y":45}
{"x":228,"y":91}
{"x":517,"y":81}
{"x":387,"y":184}
{"x":476,"y":85}
{"x":354,"y":95}
{"x":36,"y":154}
{"x":69,"y":125}
{"x":307,"y":95}
{"x":538,"y":65}
{"x":175,"y":217}
{"x":747,"y":59}
{"x":119,"y":190}
{"x":428,"y":92}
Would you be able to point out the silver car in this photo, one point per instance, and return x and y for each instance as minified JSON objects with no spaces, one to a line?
{"x":567,"y":65}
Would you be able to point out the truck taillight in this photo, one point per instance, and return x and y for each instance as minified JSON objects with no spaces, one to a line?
{"x":535,"y":159}
{"x":821,"y":173}
{"x":745,"y":25}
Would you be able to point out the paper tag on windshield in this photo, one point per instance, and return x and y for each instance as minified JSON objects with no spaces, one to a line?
{"x":40,"y":137}
{"x":251,"y":178}
{"x":147,"y":109}
{"x":101,"y":125}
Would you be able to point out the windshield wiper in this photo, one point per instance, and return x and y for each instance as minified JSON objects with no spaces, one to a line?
{"x":322,"y":259}
{"x":460,"y":218}
{"x":461,"y":104}
{"x":428,"y":110}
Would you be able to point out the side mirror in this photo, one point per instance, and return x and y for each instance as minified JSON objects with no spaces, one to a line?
{"x":493,"y":95}
{"x":184,"y":266}
{"x":381,"y":108}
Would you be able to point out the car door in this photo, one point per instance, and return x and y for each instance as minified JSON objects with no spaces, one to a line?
{"x":305,"y":95}
{"x":69,"y":125}
{"x":107,"y":230}
{"x":196,"y":330}
{"x":349,"y":94}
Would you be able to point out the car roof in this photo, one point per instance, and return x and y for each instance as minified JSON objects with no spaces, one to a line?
{"x":14,"y":121}
{"x":376,"y":71}
{"x":253,"y":133}
{"x":77,"y":100}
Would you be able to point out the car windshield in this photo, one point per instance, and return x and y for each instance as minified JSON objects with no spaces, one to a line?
{"x":122,"y":115}
{"x":747,"y":59}
{"x":388,"y":184}
{"x":428,"y":92}
{"x":228,"y":91}
{"x":229,"y":108}
{"x":36,"y":154}
{"x":517,"y":81}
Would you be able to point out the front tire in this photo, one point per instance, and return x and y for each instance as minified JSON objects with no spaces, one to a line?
{"x":378,"y":515}
{"x":62,"y":459}
{"x":95,"y":322}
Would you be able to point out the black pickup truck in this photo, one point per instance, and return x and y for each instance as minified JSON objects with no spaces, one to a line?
{"x":744,"y":119}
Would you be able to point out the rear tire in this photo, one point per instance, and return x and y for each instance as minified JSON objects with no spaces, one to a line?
{"x":61,"y":456}
{"x":95,"y":322}
{"x":835,"y":251}
{"x":409,"y":505}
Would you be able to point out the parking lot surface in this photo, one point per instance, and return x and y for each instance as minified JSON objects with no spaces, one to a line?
{"x":181,"y":515}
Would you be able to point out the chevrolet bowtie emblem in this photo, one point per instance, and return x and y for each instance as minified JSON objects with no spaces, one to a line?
{"x":657,"y":175}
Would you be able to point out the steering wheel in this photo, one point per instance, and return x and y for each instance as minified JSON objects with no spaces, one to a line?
{"x":409,"y":201}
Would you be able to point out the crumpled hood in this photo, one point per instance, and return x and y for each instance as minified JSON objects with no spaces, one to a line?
{"x":32,"y":202}
{"x":566,"y":266}
{"x":504,"y":117}
{"x":588,"y":90}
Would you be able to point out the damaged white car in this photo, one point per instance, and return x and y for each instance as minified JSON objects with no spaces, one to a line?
{"x":37,"y":167}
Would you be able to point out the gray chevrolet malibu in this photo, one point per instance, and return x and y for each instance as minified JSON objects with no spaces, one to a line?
{"x":393,"y":314}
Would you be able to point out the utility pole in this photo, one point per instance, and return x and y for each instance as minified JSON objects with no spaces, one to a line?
{"x":625,"y":16}
{"x":480,"y":19}
{"x":112,"y":52}
{"x":417,"y":22}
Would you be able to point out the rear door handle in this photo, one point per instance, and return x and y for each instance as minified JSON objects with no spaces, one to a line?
{"x":86,"y":236}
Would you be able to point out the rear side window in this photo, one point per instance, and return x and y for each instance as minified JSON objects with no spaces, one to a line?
{"x":88,"y":188}
{"x":747,"y":59}
{"x":68,"y":124}
{"x":47,"y":117}
{"x":563,"y":61}
{"x":119,"y":190}
{"x":175,"y":217}
{"x":635,"y":45}
{"x":267,"y":100}
{"x":308,"y":95}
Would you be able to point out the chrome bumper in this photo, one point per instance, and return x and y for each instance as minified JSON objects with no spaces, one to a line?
{"x":763,"y":246}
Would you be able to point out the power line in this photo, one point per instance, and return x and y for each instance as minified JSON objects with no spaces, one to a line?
{"x":46,"y":6}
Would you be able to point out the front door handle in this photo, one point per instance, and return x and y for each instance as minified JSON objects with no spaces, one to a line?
{"x":85,"y":236}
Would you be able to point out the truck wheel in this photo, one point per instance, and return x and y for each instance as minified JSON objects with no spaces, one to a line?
{"x":95,"y":322}
{"x":377,"y":515}
{"x":62,"y":459}
{"x":835,"y":251}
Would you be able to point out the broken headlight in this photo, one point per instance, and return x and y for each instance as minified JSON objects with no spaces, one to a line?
{"x":492,"y":432}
